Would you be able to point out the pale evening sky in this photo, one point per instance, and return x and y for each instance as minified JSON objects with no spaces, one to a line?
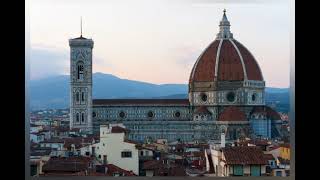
{"x":157,"y":41}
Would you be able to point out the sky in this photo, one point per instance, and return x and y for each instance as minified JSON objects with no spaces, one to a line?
{"x":157,"y":41}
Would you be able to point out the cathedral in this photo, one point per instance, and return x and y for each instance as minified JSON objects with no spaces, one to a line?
{"x":226,"y":95}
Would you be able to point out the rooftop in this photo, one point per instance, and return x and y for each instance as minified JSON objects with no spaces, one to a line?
{"x":242,"y":155}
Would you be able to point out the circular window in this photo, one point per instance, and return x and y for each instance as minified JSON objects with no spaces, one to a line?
{"x":94,"y":114}
{"x":204,"y":97}
{"x":231,"y":96}
{"x":254,"y":97}
{"x":177,"y":114}
{"x":122,"y":114}
{"x":150,"y":114}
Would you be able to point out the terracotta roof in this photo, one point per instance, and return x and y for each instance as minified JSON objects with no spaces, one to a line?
{"x":53,"y":140}
{"x":202,"y":110}
{"x":244,"y":155}
{"x":232,"y":113}
{"x":71,"y":164}
{"x":184,"y":102}
{"x":177,"y":171}
{"x":118,"y":129}
{"x":160,"y":168}
{"x":130,"y":141}
{"x":78,"y":142}
{"x":269,"y":157}
{"x":268,"y":111}
{"x":152,"y":164}
{"x":115,"y":169}
{"x":230,"y":67}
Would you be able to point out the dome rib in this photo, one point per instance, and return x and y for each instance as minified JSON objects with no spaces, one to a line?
{"x":203,"y":69}
{"x":251,"y":63}
{"x":229,"y":67}
{"x":217,"y":60}
{"x":241,"y":59}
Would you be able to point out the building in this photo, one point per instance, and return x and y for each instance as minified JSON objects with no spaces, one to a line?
{"x":242,"y":161}
{"x":226,"y":94}
{"x":114,"y":148}
{"x":38,"y":157}
{"x":282,"y":151}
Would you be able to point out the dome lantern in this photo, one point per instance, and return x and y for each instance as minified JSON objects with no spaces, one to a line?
{"x":225,"y":32}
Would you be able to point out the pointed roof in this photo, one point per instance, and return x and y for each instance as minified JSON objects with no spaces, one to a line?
{"x":225,"y":32}
{"x":232,"y":113}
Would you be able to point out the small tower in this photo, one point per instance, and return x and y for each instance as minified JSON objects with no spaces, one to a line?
{"x":81,"y":83}
{"x":225,"y":32}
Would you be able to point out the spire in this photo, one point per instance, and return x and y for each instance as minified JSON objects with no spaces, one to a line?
{"x":81,"y":26}
{"x":224,"y":28}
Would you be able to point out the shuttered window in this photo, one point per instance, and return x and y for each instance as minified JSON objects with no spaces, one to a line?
{"x":255,"y":170}
{"x":238,"y":170}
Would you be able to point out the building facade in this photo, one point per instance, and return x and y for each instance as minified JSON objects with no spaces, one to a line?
{"x":226,"y":95}
{"x":81,"y":83}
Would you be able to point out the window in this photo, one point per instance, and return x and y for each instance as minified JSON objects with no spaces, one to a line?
{"x":77,"y":118}
{"x":231,"y":96}
{"x":177,"y":114}
{"x":77,"y":97}
{"x":122,"y":114}
{"x":253,"y":97}
{"x":150,"y":114}
{"x":204,"y":97}
{"x":126,"y":154}
{"x":82,"y":96}
{"x":80,"y":70}
{"x":82,"y":117}
{"x":238,"y":170}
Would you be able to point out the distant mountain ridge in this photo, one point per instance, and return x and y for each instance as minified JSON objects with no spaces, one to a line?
{"x":53,"y":92}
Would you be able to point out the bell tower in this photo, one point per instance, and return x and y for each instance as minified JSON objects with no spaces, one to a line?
{"x":81,"y":83}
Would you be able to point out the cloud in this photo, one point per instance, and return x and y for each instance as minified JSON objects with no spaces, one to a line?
{"x":186,"y":56}
{"x":48,"y":61}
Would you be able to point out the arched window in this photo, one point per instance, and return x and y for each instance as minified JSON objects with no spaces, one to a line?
{"x":80,"y":71}
{"x":77,"y":97}
{"x":77,"y":118}
{"x":82,"y":117}
{"x":82,"y":96}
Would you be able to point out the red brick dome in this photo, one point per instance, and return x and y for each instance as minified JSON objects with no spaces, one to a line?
{"x":225,"y":59}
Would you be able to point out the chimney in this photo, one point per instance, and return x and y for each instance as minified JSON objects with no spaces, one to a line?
{"x":223,"y":140}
